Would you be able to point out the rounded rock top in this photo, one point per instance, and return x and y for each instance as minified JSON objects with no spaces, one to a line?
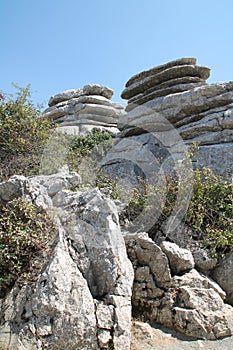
{"x":178,"y":62}
{"x":91,"y":89}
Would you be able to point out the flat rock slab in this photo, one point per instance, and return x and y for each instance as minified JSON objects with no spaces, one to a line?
{"x":170,"y":73}
{"x":157,"y":69}
{"x":91,"y":89}
{"x":161,"y":92}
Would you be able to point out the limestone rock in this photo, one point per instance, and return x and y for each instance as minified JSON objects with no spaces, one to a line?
{"x":78,"y":112}
{"x":222,"y":274}
{"x":46,"y":313}
{"x":202,"y":258}
{"x":149,"y":254}
{"x":192,"y":303}
{"x":147,"y":96}
{"x":180,"y":259}
{"x":92,"y":89}
{"x":15,"y":187}
{"x":167,"y":74}
{"x":157,"y":69}
{"x":177,"y":93}
{"x":82,"y":296}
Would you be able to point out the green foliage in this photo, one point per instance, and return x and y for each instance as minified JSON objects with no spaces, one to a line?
{"x":80,"y":147}
{"x":23,"y":135}
{"x":78,"y":152}
{"x":26,"y":233}
{"x":210,"y":211}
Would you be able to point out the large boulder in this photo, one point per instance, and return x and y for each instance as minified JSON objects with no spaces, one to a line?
{"x":80,"y":111}
{"x":82,"y":295}
{"x":176,"y":94}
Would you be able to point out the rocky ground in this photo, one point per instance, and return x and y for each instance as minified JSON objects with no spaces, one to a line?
{"x":145,"y":337}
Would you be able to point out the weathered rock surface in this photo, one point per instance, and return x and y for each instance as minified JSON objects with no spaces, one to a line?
{"x":176,"y":93}
{"x":92,"y":89}
{"x":174,"y":73}
{"x":192,"y":303}
{"x":80,"y":111}
{"x":82,"y":297}
{"x":222,"y":274}
{"x":162,"y":67}
{"x":180,"y":259}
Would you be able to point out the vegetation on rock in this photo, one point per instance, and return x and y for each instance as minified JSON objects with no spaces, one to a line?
{"x":25,"y":231}
{"x":210,"y":210}
{"x":26,"y":234}
{"x":23,"y":135}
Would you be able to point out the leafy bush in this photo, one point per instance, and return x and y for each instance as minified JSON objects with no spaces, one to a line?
{"x":23,"y":135}
{"x":210,"y":213}
{"x":76,"y":151}
{"x":81,"y":146}
{"x":26,"y":233}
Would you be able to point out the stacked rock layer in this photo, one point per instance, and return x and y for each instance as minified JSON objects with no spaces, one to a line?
{"x":176,"y":76}
{"x":174,"y":99}
{"x":81,"y":111}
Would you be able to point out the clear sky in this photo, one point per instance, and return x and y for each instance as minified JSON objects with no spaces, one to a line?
{"x":56,"y":45}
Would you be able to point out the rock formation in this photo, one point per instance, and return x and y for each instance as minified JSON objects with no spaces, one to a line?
{"x":176,"y":93}
{"x":82,"y":296}
{"x":80,"y":111}
{"x":98,"y":271}
{"x":172,"y":77}
{"x":169,"y":290}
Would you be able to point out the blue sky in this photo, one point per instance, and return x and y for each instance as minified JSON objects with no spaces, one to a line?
{"x":64,"y":44}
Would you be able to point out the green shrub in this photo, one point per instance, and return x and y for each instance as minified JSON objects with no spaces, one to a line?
{"x":210,"y":212}
{"x":26,"y":234}
{"x":23,"y":134}
{"x":80,"y":147}
{"x":78,"y":152}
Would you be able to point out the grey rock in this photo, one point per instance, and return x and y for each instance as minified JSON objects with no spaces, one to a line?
{"x":167,"y":74}
{"x":192,"y":303}
{"x":87,"y":108}
{"x":218,"y":157}
{"x":65,"y":107}
{"x":46,"y":312}
{"x":82,"y":297}
{"x":202,"y":115}
{"x":105,"y":315}
{"x":211,"y":123}
{"x":167,"y":84}
{"x":86,"y":128}
{"x":79,"y":112}
{"x":122,"y":318}
{"x":222,"y":274}
{"x":180,"y":259}
{"x":176,"y":107}
{"x":202,"y":258}
{"x":15,"y":187}
{"x":92,"y":89}
{"x":160,"y":92}
{"x":195,"y":279}
{"x":199,"y":308}
{"x":157,"y":69}
{"x":56,"y":182}
{"x":149,"y":254}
